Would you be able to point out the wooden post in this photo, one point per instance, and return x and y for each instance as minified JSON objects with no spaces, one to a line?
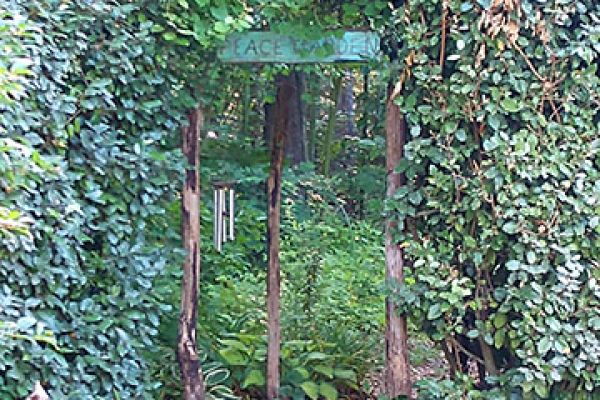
{"x":187,"y":353}
{"x":397,"y":368}
{"x":274,"y":204}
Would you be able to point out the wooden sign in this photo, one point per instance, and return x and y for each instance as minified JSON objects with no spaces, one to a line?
{"x":269,"y":47}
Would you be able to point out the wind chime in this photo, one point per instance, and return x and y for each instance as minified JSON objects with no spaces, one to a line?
{"x":224,"y":216}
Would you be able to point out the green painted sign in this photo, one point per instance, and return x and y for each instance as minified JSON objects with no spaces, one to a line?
{"x":269,"y":47}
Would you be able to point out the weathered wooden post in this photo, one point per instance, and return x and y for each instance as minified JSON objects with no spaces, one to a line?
{"x":187,"y":351}
{"x":397,"y":368}
{"x":274,"y":205}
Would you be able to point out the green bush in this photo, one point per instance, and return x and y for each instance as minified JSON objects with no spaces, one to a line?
{"x":87,"y":125}
{"x":501,"y":207}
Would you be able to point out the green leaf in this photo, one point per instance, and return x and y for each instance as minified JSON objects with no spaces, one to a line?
{"x":233,"y":357}
{"x":541,"y":389}
{"x":345,"y":374}
{"x":513,"y":265}
{"x":466,"y":6}
{"x":544,"y":345}
{"x":499,"y":320}
{"x":484,"y":3}
{"x":328,"y":391}
{"x":554,"y":324}
{"x":24,"y":323}
{"x":221,"y":27}
{"x":499,"y":338}
{"x":311,"y":389}
{"x":216,"y":377}
{"x":219,"y":13}
{"x":510,"y":105}
{"x":152,"y":104}
{"x":315,"y":355}
{"x":450,"y":126}
{"x":510,"y":227}
{"x":303,"y":372}
{"x":494,"y":121}
{"x":490,"y":144}
{"x":254,"y":378}
{"x":473,"y":334}
{"x":461,"y":135}
{"x":169,"y":36}
{"x":434,"y":312}
{"x":326,"y":370}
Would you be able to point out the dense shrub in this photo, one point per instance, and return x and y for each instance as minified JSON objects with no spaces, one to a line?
{"x":90,"y":110}
{"x":502,"y":202}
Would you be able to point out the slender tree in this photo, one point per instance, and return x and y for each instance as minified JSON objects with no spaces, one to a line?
{"x":296,"y":146}
{"x":331,"y":122}
{"x":282,"y":112}
{"x":187,"y":353}
{"x":269,"y":121}
{"x":312,"y":114}
{"x":345,"y":106}
{"x":397,"y":369}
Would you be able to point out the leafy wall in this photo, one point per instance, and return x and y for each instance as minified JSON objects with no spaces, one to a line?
{"x":502,"y":201}
{"x":97,"y":129}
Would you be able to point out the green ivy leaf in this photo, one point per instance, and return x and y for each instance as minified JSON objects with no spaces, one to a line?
{"x":499,"y":320}
{"x":511,"y":105}
{"x":434,"y":312}
{"x":24,"y":323}
{"x":219,"y":13}
{"x":510,"y":227}
{"x":544,"y":345}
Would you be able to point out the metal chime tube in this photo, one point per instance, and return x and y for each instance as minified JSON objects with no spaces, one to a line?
{"x":215,"y":220}
{"x":231,"y":213}
{"x":219,"y":220}
{"x":223,"y":215}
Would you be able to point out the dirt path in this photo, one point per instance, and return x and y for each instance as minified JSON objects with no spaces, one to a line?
{"x":427,"y":361}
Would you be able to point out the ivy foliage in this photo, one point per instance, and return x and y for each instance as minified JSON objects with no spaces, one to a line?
{"x":94,"y":125}
{"x":502,"y":199}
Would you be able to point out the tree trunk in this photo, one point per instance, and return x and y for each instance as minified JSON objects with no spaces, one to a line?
{"x":331,"y":122}
{"x":295,"y":146}
{"x":312,"y":114}
{"x":397,"y":371}
{"x":187,"y":353}
{"x":347,"y":125}
{"x":269,"y":122}
{"x":246,"y":109}
{"x":365,"y":129}
{"x":282,"y":112}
